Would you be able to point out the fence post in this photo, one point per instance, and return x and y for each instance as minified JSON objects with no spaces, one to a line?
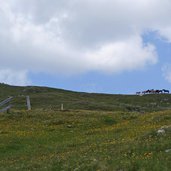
{"x":62,"y":107}
{"x":28,"y":103}
{"x":5,"y":102}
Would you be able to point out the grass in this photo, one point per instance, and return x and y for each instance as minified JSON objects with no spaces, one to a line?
{"x":84,"y":140}
{"x":95,"y":131}
{"x":51,"y":99}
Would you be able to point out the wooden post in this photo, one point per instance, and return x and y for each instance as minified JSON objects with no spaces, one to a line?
{"x":6,"y":101}
{"x":62,"y":107}
{"x":6,"y":109}
{"x":28,"y":103}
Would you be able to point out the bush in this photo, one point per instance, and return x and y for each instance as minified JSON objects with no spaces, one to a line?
{"x":109,"y":120}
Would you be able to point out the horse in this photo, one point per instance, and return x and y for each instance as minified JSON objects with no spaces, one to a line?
{"x":152,"y":91}
{"x":138,"y":93}
{"x":158,"y":91}
{"x":146,"y":92}
{"x":165,"y":91}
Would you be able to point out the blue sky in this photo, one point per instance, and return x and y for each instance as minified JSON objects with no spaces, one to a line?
{"x":106,"y":46}
{"x":122,"y":83}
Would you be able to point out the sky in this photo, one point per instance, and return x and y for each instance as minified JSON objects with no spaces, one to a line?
{"x":103,"y":46}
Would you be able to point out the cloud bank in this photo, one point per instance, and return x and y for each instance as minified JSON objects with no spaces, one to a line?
{"x":14,"y":77}
{"x":79,"y":36}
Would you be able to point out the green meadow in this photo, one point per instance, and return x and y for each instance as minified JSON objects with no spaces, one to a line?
{"x":95,"y":132}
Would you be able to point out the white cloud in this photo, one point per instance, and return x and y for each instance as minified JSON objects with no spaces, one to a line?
{"x":165,"y":32}
{"x":72,"y":37}
{"x":13,"y":77}
{"x":124,"y":55}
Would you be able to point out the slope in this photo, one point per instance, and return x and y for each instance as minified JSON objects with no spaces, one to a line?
{"x":51,"y":98}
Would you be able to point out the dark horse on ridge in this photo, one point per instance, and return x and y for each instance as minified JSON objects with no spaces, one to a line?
{"x":165,"y":91}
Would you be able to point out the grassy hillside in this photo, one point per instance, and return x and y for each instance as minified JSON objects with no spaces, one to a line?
{"x":95,"y":132}
{"x":50,"y":98}
{"x":85,"y":141}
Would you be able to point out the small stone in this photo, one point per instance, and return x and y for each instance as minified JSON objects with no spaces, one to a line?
{"x":168,"y":150}
{"x":161,"y":131}
{"x":95,"y":160}
{"x":69,"y":126}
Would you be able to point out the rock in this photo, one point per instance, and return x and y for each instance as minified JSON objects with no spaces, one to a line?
{"x":165,"y":129}
{"x":161,"y":131}
{"x":168,"y":150}
{"x":69,"y":126}
{"x":94,"y":160}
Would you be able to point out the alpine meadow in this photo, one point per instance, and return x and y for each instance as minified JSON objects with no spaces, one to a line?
{"x":92,"y":132}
